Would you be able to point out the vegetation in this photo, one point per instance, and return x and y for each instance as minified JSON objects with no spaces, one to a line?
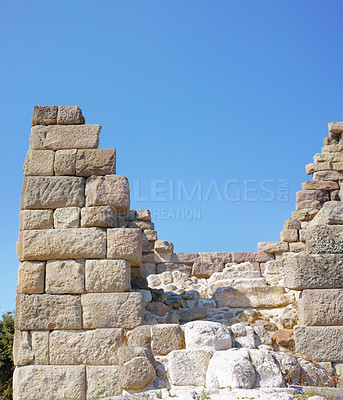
{"x":6,"y":357}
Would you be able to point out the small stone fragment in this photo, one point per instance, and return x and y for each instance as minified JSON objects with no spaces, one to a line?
{"x":46,"y":115}
{"x":70,"y":115}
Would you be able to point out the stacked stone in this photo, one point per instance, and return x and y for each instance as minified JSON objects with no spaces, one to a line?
{"x":74,"y":300}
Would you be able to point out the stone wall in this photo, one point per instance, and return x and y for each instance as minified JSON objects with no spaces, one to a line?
{"x":104,"y":307}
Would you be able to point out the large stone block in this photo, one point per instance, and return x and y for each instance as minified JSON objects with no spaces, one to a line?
{"x":102,"y":217}
{"x":49,"y":382}
{"x":46,"y":115}
{"x":103,"y":382}
{"x":65,"y":162}
{"x":59,"y":137}
{"x":320,"y":343}
{"x":319,"y":195}
{"x":272,"y":247}
{"x":321,"y":307}
{"x":112,"y":310}
{"x":35,"y":219}
{"x":309,"y":271}
{"x":70,"y":115}
{"x":54,"y":244}
{"x":39,"y":162}
{"x":94,"y":347}
{"x":47,"y":311}
{"x":65,"y":276}
{"x":31,"y":277}
{"x":106,"y":276}
{"x":52,"y":192}
{"x":125,"y":243}
{"x":324,"y":239}
{"x":110,"y":190}
{"x":95,"y":162}
{"x":31,"y":347}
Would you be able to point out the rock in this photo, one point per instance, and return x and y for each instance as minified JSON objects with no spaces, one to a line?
{"x":288,"y":318}
{"x":144,"y":215}
{"x":188,"y":367}
{"x":328,"y":157}
{"x":112,"y":310}
{"x":191,"y":314}
{"x":35,"y":219}
{"x":163,"y":246}
{"x":331,"y":213}
{"x":205,"y":270}
{"x":289,"y":366}
{"x":289,"y":235}
{"x":106,"y":276}
{"x":166,"y":338}
{"x":296,"y":247}
{"x":231,"y":368}
{"x":150,"y":234}
{"x":338,"y":371}
{"x":95,"y":162}
{"x":207,"y":335}
{"x":158,"y":295}
{"x":125,"y":243}
{"x":31,"y":277}
{"x":314,"y":167}
{"x":214,"y":257}
{"x":140,"y":337}
{"x":185,"y":258}
{"x":102,"y":217}
{"x":183,"y":268}
{"x":139,"y":282}
{"x":328,"y":176}
{"x":31,"y":347}
{"x":125,"y":354}
{"x":268,"y":373}
{"x":52,"y":192}
{"x":47,"y":312}
{"x":324,"y":239}
{"x":319,"y":195}
{"x":313,"y":374}
{"x":148,"y":269}
{"x":70,"y":115}
{"x":46,"y":115}
{"x":320,"y":184}
{"x":49,"y":382}
{"x":53,"y":244}
{"x":110,"y":190}
{"x":335,"y":128}
{"x":65,"y":162}
{"x":67,"y":218}
{"x":310,"y":271}
{"x":306,"y":214}
{"x":283,"y":337}
{"x":244,"y":336}
{"x":159,"y":309}
{"x":321,"y":307}
{"x":103,"y":381}
{"x":65,"y":276}
{"x":95,"y":347}
{"x":136,"y":373}
{"x":272,"y":247}
{"x":243,"y":257}
{"x":313,"y":204}
{"x":64,"y":137}
{"x":262,"y":337}
{"x":39,"y":162}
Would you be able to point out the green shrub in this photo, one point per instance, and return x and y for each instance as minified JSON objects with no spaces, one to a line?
{"x":6,"y":357}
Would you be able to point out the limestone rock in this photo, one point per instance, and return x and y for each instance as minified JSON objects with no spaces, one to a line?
{"x":65,"y":276}
{"x":107,"y":276}
{"x":289,"y":235}
{"x":127,"y":353}
{"x":163,"y":246}
{"x":140,"y":337}
{"x":112,"y":310}
{"x":68,"y":217}
{"x":65,"y":162}
{"x":244,"y":336}
{"x":166,"y":338}
{"x":335,"y":128}
{"x":102,"y":382}
{"x":143,"y":215}
{"x":136,"y":373}
{"x":46,"y":115}
{"x":39,"y":162}
{"x":268,"y":373}
{"x":272,"y":247}
{"x":319,"y":195}
{"x":205,"y":270}
{"x":95,"y":162}
{"x":102,"y":217}
{"x":191,"y":314}
{"x":70,"y":115}
{"x":35,"y":219}
{"x":31,"y":277}
{"x":324,"y":239}
{"x":207,"y":335}
{"x":31,"y":347}
{"x":283,"y":337}
{"x":59,"y":137}
{"x":125,"y":243}
{"x":110,"y":190}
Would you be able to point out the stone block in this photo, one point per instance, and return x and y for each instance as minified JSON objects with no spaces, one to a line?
{"x":31,"y":277}
{"x":272,"y":247}
{"x":106,"y":276}
{"x":335,"y":128}
{"x":112,"y":310}
{"x":239,"y":257}
{"x":324,"y":239}
{"x":35,"y":219}
{"x":207,"y":335}
{"x":292,"y":224}
{"x":67,"y":217}
{"x":163,"y":246}
{"x":309,"y":271}
{"x":58,"y":137}
{"x":328,"y":176}
{"x":166,"y":338}
{"x":39,"y":162}
{"x":319,"y":195}
{"x":70,"y":115}
{"x":136,"y":373}
{"x":140,"y":337}
{"x":315,"y":167}
{"x":320,"y":185}
{"x":150,"y":234}
{"x":46,"y":115}
{"x":65,"y":162}
{"x":337,"y":166}
{"x":103,"y":382}
{"x":163,"y":267}
{"x":319,"y":343}
{"x":31,"y":347}
{"x":306,"y":204}
{"x":94,"y":347}
{"x":205,"y":270}
{"x":110,"y":190}
{"x":55,"y":244}
{"x":289,"y":235}
{"x":148,"y":269}
{"x":125,"y":243}
{"x":49,"y":382}
{"x":143,"y":215}
{"x":52,"y":192}
{"x":321,"y":307}
{"x":297,"y":247}
{"x":47,"y":312}
{"x":328,"y":157}
{"x":95,"y":162}
{"x":143,"y":225}
{"x":65,"y":276}
{"x":306,"y":214}
{"x":102,"y":217}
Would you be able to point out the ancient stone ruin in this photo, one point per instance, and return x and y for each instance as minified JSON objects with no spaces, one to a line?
{"x":105,"y":309}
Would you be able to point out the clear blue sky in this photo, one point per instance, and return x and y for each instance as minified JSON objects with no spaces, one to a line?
{"x":186,"y":91}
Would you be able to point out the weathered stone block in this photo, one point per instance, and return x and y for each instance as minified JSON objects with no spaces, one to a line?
{"x":321,"y":307}
{"x":125,"y":243}
{"x":110,"y":190}
{"x":39,"y":162}
{"x":106,"y":276}
{"x":328,"y":157}
{"x":102,"y":217}
{"x":137,"y":373}
{"x":49,"y":382}
{"x":324,"y":239}
{"x":296,"y":247}
{"x":205,"y":270}
{"x":31,"y":277}
{"x":319,"y":195}
{"x":309,"y":271}
{"x":54,"y":244}
{"x":59,"y":137}
{"x":46,"y":115}
{"x":306,"y":214}
{"x":207,"y":335}
{"x":95,"y":162}
{"x":65,"y":162}
{"x":143,"y":215}
{"x":52,"y":192}
{"x":67,"y":217}
{"x":70,"y":115}
{"x":166,"y":266}
{"x":47,"y":311}
{"x":320,"y":184}
{"x":292,"y":224}
{"x":35,"y":219}
{"x":31,"y":347}
{"x":65,"y":276}
{"x":337,"y":166}
{"x":306,"y":204}
{"x":289,"y":235}
{"x":103,"y":382}
{"x":163,"y":246}
{"x":148,"y":269}
{"x":94,"y":347}
{"x":335,"y":128}
{"x":315,"y":167}
{"x":239,"y":257}
{"x":112,"y":310}
{"x":320,"y":343}
{"x":272,"y":247}
{"x":166,"y":338}
{"x":328,"y":176}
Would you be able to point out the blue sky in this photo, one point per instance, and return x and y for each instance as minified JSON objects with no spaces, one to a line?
{"x":233,"y":96}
